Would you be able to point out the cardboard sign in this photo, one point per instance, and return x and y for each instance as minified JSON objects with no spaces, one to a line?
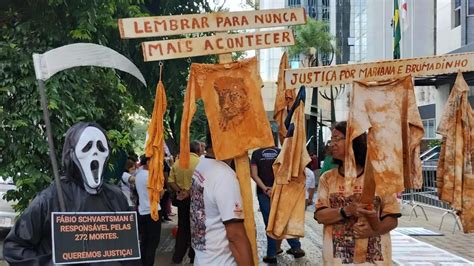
{"x":182,"y":24}
{"x":82,"y":237}
{"x":217,"y":44}
{"x":382,"y":70}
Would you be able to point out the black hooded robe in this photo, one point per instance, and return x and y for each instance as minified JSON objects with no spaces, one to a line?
{"x":29,"y":241}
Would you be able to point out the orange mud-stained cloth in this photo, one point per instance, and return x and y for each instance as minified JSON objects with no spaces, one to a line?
{"x":388,"y":110}
{"x":236,"y":117}
{"x":155,"y":151}
{"x":284,"y":98}
{"x":286,"y":219}
{"x":233,"y":105}
{"x":455,"y":176}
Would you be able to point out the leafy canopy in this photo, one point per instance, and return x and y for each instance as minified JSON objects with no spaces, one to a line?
{"x":313,"y":34}
{"x":106,"y":96}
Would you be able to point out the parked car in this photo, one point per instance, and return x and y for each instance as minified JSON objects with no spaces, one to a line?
{"x":7,"y":213}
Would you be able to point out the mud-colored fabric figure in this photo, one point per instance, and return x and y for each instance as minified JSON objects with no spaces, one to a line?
{"x":286,"y":219}
{"x":388,"y":110}
{"x":455,"y":176}
{"x":233,"y":105}
{"x":236,"y":117}
{"x":284,"y":98}
{"x":338,"y":239}
{"x":155,"y":150}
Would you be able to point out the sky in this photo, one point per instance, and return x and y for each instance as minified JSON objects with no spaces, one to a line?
{"x":232,"y":5}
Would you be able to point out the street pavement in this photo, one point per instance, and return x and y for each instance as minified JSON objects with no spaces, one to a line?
{"x":448,"y":249}
{"x":451,"y":248}
{"x":457,"y":243}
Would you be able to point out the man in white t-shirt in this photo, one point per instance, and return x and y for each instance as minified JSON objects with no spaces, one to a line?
{"x":217,"y":230}
{"x":148,"y":229}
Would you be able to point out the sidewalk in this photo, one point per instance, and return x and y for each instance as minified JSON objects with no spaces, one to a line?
{"x":311,"y":243}
{"x":459,"y":244}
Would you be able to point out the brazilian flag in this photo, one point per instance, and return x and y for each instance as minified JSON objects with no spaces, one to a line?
{"x":396,"y":31}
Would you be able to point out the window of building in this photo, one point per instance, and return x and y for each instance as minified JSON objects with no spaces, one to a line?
{"x":294,"y":3}
{"x":430,"y":128}
{"x":470,"y":7}
{"x":358,"y":31}
{"x":456,"y":15}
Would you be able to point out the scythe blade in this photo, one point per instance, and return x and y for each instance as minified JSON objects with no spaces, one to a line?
{"x":82,"y":54}
{"x":68,"y":56}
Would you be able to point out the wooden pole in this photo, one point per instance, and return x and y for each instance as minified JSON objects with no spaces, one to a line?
{"x":52,"y":151}
{"x":242,"y":167}
{"x":367,"y":197}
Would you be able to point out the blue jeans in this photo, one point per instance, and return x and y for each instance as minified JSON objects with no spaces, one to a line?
{"x":264,"y":202}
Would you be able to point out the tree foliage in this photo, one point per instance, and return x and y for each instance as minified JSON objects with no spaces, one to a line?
{"x":80,"y":94}
{"x":313,"y":34}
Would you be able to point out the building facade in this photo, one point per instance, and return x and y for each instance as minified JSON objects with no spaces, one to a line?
{"x":363,"y":32}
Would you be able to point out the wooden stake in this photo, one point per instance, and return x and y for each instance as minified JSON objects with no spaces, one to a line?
{"x":367,"y":197}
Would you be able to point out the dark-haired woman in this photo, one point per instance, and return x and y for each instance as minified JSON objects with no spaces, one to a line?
{"x":339,"y":211}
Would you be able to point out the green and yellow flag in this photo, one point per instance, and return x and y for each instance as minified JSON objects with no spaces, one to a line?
{"x":396,"y":31}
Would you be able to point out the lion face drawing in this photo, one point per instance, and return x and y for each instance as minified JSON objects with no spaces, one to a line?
{"x":233,"y":101}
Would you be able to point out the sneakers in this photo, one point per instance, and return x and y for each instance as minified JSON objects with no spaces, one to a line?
{"x":296,"y":252}
{"x":270,"y":260}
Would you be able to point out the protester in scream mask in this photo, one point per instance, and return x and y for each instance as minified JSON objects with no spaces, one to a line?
{"x":84,"y":158}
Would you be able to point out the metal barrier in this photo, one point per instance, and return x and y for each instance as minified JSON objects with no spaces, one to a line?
{"x":427,"y":196}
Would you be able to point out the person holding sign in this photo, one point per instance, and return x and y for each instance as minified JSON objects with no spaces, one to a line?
{"x":339,"y":212}
{"x":84,"y":158}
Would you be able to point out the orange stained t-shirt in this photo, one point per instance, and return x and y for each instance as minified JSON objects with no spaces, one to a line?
{"x":455,"y":175}
{"x":286,"y":218}
{"x":155,"y":150}
{"x":388,"y":110}
{"x":233,"y":105}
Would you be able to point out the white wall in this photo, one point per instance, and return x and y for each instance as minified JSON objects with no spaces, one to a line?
{"x":417,"y":40}
{"x":442,"y":95}
{"x":269,"y":61}
{"x":379,"y":31}
{"x":447,"y":39}
{"x":425,"y":95}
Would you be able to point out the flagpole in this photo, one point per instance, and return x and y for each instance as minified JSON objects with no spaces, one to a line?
{"x":412,"y":28}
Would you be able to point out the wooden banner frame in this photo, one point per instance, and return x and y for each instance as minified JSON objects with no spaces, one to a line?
{"x":219,"y":23}
{"x":380,"y":70}
{"x":142,"y":27}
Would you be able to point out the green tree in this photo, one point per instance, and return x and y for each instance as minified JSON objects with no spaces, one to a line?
{"x":314,"y":42}
{"x":81,"y":94}
{"x":311,"y":39}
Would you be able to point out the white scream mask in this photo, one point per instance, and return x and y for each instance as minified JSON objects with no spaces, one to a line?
{"x":91,"y":152}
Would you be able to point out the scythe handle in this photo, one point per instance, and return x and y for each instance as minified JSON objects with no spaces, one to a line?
{"x":52,"y":152}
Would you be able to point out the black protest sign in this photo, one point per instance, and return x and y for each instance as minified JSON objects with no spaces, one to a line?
{"x":80,"y":237}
